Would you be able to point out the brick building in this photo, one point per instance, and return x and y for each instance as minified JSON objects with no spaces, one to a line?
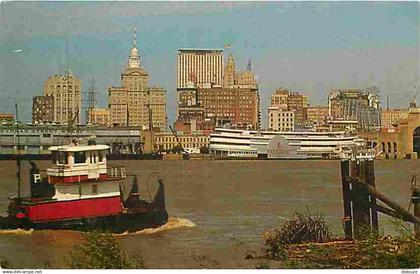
{"x":317,"y":115}
{"x":284,"y":100}
{"x":238,"y":106}
{"x":205,"y":104}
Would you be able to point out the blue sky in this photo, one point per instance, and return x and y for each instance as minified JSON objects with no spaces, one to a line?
{"x":310,"y":47}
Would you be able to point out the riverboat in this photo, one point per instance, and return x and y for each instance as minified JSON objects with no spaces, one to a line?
{"x":249,"y":144}
{"x":80,"y":191}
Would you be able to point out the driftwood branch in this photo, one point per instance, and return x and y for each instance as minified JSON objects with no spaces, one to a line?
{"x":391,"y":213}
{"x":398,"y":209}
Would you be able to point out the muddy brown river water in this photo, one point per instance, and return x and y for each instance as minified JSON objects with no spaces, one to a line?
{"x":219,"y":210}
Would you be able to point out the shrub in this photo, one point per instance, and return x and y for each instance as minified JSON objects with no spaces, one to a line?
{"x":4,"y":262}
{"x":100,"y":251}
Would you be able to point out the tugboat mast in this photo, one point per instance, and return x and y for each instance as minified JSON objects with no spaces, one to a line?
{"x":18,"y":165}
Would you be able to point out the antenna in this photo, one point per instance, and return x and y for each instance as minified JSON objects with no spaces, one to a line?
{"x":60,"y":63}
{"x":67,"y":77}
{"x":387,"y":101}
{"x":91,"y":100}
{"x":134,"y":36}
{"x":249,"y":66}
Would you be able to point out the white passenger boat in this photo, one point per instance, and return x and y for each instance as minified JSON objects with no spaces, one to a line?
{"x":233,"y":143}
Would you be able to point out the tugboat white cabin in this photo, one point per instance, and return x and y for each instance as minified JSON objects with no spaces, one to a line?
{"x":78,"y":163}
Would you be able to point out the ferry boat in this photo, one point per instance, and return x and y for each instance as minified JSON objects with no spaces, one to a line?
{"x":81,"y":192}
{"x":243,"y":144}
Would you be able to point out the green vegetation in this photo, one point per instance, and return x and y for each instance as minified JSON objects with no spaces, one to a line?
{"x":389,"y":252}
{"x":306,"y":242}
{"x":5,"y":263}
{"x":101,"y":251}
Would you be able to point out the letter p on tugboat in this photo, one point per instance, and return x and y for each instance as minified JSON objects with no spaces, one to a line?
{"x":81,"y":192}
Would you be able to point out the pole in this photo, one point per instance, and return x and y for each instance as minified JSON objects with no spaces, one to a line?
{"x":360,"y":201}
{"x":370,"y":180}
{"x":347,"y":220}
{"x":18,"y":165}
{"x":415,"y":199}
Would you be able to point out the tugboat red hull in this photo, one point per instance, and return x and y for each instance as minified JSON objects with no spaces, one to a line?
{"x":106,"y":213}
{"x":81,"y":192}
{"x":115,"y":223}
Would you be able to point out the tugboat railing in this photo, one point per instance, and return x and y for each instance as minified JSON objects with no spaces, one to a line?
{"x":116,"y":172}
{"x":113,"y":172}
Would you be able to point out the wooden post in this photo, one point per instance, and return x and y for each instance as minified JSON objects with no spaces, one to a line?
{"x":347,"y":218}
{"x":415,"y":199}
{"x":360,"y":201}
{"x":370,"y":180}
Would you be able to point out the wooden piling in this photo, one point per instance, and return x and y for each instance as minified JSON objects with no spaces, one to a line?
{"x":360,"y":201}
{"x":415,"y":199}
{"x":370,"y":180}
{"x":347,"y":218}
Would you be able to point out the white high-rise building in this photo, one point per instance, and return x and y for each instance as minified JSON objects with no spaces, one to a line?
{"x":199,"y":67}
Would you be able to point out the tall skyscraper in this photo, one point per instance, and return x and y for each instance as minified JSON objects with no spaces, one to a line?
{"x":67,"y":99}
{"x":229,"y":74}
{"x":135,"y":103}
{"x":199,"y":67}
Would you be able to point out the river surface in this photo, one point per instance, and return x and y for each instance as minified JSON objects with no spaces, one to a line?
{"x":219,"y":210}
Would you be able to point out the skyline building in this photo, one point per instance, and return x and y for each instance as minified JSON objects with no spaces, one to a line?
{"x":280,"y":119}
{"x":99,"y":116}
{"x":199,"y":67}
{"x":206,"y":105}
{"x":236,"y":106}
{"x":356,"y":105}
{"x":282,"y":100}
{"x":317,"y":115}
{"x":66,"y":91}
{"x":42,"y":109}
{"x":135,"y":103}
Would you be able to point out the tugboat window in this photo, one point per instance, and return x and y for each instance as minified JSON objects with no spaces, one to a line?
{"x":101,"y":157}
{"x":62,"y":158}
{"x":54,"y":157}
{"x":79,"y":157}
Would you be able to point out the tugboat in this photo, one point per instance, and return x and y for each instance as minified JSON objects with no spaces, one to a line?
{"x":81,"y":192}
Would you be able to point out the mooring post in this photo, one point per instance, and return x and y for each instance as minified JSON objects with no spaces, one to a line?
{"x":370,"y":180}
{"x":360,"y":201}
{"x":415,"y":199}
{"x":347,"y":219}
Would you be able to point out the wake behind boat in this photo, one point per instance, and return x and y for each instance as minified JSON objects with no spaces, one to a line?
{"x":81,"y":192}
